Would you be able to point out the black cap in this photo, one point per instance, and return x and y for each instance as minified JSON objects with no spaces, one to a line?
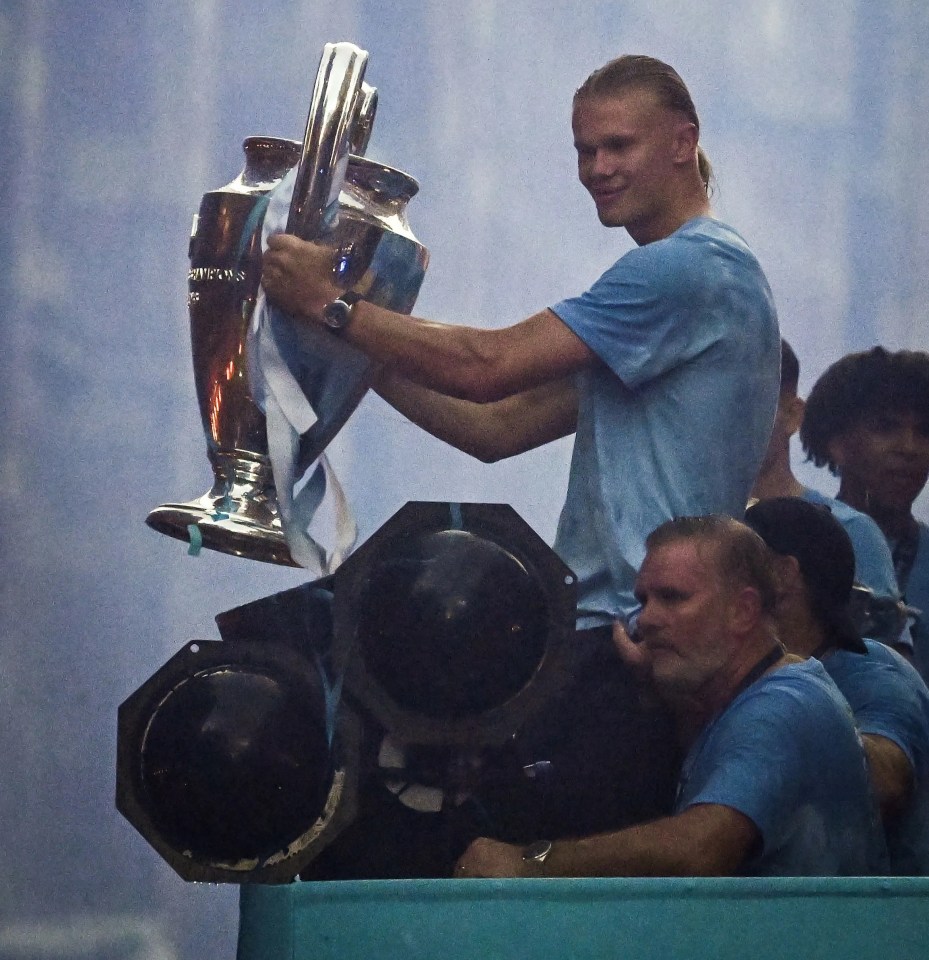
{"x":809,"y":532}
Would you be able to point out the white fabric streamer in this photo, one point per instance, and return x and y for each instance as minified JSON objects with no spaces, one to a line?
{"x":307,"y":382}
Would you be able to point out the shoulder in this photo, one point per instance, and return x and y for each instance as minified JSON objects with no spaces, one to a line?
{"x":686,"y":254}
{"x":763,"y":746}
{"x":871,"y":547}
{"x":797,"y":688}
{"x":900,"y":674}
{"x":698,"y":240}
{"x":848,"y":516}
{"x":879,"y":678}
{"x":802,"y":673}
{"x":795,"y":715}
{"x":883,"y":669}
{"x":881,"y":653}
{"x":703,"y":265}
{"x":887,"y":695}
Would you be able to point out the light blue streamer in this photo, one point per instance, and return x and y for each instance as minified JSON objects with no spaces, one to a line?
{"x":253,"y":222}
{"x":196,"y":540}
{"x":332,"y":694}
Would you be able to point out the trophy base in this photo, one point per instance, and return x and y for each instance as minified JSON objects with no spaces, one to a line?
{"x":228,"y":525}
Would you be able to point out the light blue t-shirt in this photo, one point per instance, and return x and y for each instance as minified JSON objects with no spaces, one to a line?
{"x":916,"y":592}
{"x":889,"y":698}
{"x":874,"y":566}
{"x":676,"y":420}
{"x":785,"y":754}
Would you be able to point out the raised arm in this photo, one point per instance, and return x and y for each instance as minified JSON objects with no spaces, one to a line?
{"x":460,"y":361}
{"x":469,"y":363}
{"x":488,"y":431}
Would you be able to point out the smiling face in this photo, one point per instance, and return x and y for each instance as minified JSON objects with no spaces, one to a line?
{"x":686,"y":618}
{"x":883,"y":461}
{"x":631,"y":151}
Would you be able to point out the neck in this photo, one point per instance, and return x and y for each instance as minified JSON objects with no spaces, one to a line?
{"x":895,"y":522}
{"x":800,"y":633}
{"x":692,"y":202}
{"x":696,"y":710}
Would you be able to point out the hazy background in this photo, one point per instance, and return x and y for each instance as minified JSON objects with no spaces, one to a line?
{"x":117,"y":116}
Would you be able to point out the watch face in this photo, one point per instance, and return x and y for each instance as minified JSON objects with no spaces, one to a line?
{"x":538,"y":851}
{"x":337,"y":314}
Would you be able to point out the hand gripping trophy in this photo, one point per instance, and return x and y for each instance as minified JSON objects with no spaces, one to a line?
{"x":341,"y":199}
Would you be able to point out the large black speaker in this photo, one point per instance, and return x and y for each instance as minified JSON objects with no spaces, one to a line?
{"x":234,"y":764}
{"x":240,"y":761}
{"x":460,"y":622}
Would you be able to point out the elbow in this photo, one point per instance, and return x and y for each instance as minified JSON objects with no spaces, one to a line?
{"x":891,"y":774}
{"x":482,"y":385}
{"x":486,"y":450}
{"x":490,"y":455}
{"x":485,"y":374}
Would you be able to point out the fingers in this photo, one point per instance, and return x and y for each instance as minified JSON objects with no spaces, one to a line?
{"x":631,"y":653}
{"x":297,"y":275}
{"x":488,"y":858}
{"x":284,"y":241}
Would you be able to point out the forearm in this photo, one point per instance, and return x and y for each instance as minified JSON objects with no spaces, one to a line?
{"x":678,"y":846}
{"x":464,"y":362}
{"x":704,"y":840}
{"x":490,"y":431}
{"x":459,"y":361}
{"x":455,"y":360}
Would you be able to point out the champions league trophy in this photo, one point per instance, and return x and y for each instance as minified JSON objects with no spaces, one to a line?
{"x":340,"y":198}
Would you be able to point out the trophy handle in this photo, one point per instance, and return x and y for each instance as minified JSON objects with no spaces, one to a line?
{"x":339,"y":122}
{"x":364,"y":121}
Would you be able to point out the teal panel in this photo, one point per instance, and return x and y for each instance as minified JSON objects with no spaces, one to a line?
{"x":656,"y":919}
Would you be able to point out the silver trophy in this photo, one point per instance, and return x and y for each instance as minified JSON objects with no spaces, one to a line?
{"x":342,"y":199}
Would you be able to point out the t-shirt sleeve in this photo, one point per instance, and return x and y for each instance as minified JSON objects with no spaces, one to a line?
{"x":886,"y":703}
{"x":648,"y":312}
{"x":751,"y":764}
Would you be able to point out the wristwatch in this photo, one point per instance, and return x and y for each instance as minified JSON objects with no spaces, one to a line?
{"x":337,"y":313}
{"x":537,"y":852}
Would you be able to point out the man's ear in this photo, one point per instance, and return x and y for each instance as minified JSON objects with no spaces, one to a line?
{"x":744,"y":610}
{"x":793,"y":414}
{"x":684,"y":147}
{"x":786,"y":572}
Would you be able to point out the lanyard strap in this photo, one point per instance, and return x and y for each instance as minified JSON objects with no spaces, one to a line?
{"x":768,"y":660}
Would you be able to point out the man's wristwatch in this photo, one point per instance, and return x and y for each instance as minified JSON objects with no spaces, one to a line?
{"x":337,"y":313}
{"x":537,"y":852}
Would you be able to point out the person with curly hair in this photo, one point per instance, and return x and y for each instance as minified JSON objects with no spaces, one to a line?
{"x":867,"y":420}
